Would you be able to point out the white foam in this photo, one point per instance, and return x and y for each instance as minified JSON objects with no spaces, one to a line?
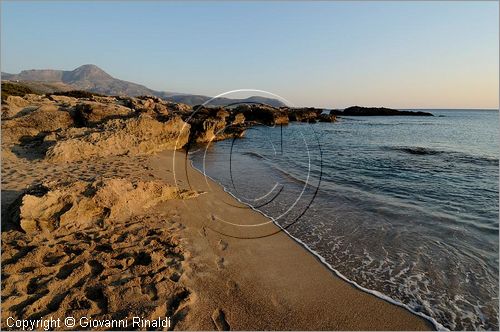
{"x":438,"y":326}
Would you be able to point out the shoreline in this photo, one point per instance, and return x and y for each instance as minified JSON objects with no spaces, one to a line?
{"x":406,"y":318}
{"x":81,"y":174}
{"x":437,"y":326}
{"x":171,"y":260}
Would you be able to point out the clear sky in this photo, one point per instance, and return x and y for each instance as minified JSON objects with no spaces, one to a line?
{"x":330,"y":54}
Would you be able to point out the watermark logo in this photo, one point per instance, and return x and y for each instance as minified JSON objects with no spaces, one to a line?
{"x":264,"y":155}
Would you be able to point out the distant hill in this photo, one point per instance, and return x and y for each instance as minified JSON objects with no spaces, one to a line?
{"x":94,"y":79}
{"x":198,"y":100}
{"x":87,"y":77}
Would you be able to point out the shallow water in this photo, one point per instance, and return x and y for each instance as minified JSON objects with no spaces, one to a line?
{"x":406,"y":206}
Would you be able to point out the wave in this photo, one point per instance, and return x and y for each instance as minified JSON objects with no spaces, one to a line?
{"x":415,"y":150}
{"x":393,"y":124}
{"x":438,"y":326}
{"x":288,"y":175}
{"x":254,"y":154}
{"x":451,"y":156}
{"x":358,"y":184}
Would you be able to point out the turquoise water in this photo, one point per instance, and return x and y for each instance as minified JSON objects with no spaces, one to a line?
{"x":405,"y":206}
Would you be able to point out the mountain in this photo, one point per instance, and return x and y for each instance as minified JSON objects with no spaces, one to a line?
{"x":94,"y":79}
{"x":87,"y":77}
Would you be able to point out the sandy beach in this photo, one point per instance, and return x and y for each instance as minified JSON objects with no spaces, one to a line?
{"x":256,"y":165}
{"x":171,"y":260}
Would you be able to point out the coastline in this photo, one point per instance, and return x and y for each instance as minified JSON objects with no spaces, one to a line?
{"x":103,"y":222}
{"x":306,"y":285}
{"x":436,"y":325}
{"x":214,"y":166}
{"x":171,"y":260}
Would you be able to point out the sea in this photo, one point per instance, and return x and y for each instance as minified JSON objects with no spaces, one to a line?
{"x":403,"y":207}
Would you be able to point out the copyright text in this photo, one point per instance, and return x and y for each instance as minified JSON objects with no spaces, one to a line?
{"x":86,"y":322}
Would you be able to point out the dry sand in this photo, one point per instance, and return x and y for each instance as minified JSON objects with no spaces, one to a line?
{"x":172,"y":260}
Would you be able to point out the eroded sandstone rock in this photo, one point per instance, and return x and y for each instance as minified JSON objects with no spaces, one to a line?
{"x":64,"y":100}
{"x":44,"y":118}
{"x":327,"y":118}
{"x":90,"y":113}
{"x":46,"y":207}
{"x":306,"y":114}
{"x":215,"y":123}
{"x":263,"y":114}
{"x":135,"y":136}
{"x":13,"y":105}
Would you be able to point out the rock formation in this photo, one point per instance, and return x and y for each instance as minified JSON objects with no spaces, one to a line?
{"x":76,"y":125}
{"x":307,"y":114}
{"x":45,"y":207}
{"x":213,"y":124}
{"x":327,"y":117}
{"x":91,"y":113}
{"x":375,"y":111}
{"x":135,"y":136}
{"x":13,"y":105}
{"x":31,"y":121}
{"x":263,"y":114}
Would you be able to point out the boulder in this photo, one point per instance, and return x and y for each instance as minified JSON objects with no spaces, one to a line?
{"x":105,"y":99}
{"x":327,"y":118}
{"x":154,"y":106}
{"x":33,"y":98}
{"x":215,"y":123}
{"x":263,"y":114}
{"x":179,"y":107}
{"x":43,"y":119}
{"x":135,"y":136}
{"x":208,"y":129}
{"x":64,"y":100}
{"x":90,"y":113}
{"x":49,"y":206}
{"x":143,"y":104}
{"x":12,"y":105}
{"x":306,"y":114}
{"x":239,"y":118}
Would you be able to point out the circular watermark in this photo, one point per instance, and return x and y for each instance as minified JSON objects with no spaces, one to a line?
{"x":266,"y":124}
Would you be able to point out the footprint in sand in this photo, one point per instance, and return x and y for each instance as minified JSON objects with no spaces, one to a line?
{"x":220,"y":263}
{"x":101,"y":272}
{"x":203,"y":231}
{"x":222,"y":245}
{"x":232,"y":287}
{"x":219,"y":319}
